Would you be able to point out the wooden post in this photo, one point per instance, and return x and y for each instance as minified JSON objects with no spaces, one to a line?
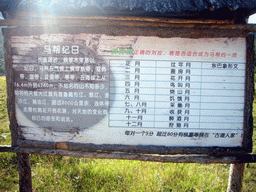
{"x":25,"y":180}
{"x":236,"y":177}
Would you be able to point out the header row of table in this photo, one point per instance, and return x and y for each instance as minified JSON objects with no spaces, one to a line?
{"x":177,"y":64}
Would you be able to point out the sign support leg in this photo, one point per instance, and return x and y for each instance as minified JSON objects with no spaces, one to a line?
{"x":25,"y":180}
{"x":236,"y":177}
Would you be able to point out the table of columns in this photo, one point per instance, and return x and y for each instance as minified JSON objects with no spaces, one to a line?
{"x":176,"y":94}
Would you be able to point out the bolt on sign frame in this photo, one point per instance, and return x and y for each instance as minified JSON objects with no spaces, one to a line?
{"x":149,"y":87}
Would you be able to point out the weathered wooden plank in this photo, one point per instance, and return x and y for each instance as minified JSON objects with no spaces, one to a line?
{"x":236,"y":177}
{"x":6,"y":148}
{"x":48,"y":19}
{"x":24,"y":168}
{"x":232,"y":10}
{"x":126,"y":21}
{"x":249,"y":94}
{"x":146,"y":149}
{"x":10,"y":87}
{"x":191,"y":31}
{"x":245,"y":158}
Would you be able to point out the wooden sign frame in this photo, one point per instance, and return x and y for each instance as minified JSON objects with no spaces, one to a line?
{"x":117,"y":30}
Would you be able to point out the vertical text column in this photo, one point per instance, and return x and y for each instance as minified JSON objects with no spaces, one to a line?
{"x":222,"y":96}
{"x":133,"y":90}
{"x":177,"y":94}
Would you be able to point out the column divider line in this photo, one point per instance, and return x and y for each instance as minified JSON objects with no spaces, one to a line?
{"x":200,"y":97}
{"x":155,"y":95}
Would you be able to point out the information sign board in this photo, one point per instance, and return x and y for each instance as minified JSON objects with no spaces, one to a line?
{"x":129,"y":90}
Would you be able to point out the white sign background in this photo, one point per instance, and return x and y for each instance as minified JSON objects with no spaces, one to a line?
{"x":207,"y":75}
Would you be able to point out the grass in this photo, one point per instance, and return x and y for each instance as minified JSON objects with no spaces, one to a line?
{"x":2,"y":65}
{"x":57,"y":173}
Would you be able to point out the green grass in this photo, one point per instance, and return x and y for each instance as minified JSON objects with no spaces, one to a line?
{"x":2,"y":65}
{"x":5,"y":134}
{"x":56,"y":173}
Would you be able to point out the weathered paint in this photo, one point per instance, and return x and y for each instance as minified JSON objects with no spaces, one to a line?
{"x":79,"y":87}
{"x":71,"y":87}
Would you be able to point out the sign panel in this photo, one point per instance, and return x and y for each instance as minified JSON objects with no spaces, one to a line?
{"x":130,"y":90}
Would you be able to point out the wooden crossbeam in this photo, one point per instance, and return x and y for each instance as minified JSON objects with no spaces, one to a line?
{"x":242,"y":158}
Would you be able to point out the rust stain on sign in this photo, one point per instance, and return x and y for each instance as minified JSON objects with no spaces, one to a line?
{"x":62,"y":145}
